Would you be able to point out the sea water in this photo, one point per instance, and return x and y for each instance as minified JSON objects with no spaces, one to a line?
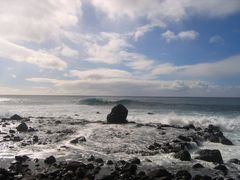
{"x":223,"y":112}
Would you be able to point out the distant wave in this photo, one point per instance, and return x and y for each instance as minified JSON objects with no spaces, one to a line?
{"x":101,"y":102}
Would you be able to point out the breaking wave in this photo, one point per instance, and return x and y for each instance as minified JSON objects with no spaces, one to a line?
{"x":99,"y":102}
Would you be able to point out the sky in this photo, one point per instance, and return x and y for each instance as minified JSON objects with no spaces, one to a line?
{"x":120,"y":47}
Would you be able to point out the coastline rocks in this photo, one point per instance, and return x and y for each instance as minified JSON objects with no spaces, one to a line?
{"x":183,"y":155}
{"x":22,"y":127}
{"x":214,"y":134}
{"x":210,"y":156}
{"x":161,"y":172}
{"x":118,"y":115}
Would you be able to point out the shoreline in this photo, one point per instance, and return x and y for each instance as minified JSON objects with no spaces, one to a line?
{"x":173,"y":140}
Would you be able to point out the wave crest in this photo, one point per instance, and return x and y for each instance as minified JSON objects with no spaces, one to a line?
{"x":100,"y":102}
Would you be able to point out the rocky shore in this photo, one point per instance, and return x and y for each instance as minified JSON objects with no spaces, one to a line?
{"x":100,"y":163}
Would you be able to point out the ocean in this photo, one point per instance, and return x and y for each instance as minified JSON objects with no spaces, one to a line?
{"x":223,"y":112}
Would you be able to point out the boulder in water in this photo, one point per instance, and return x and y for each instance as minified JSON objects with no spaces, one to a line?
{"x":22,"y":127}
{"x":210,"y":156}
{"x":118,"y":115}
{"x":16,"y":117}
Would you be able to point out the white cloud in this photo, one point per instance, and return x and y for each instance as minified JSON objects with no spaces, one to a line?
{"x":100,"y":74}
{"x":66,"y":51}
{"x":216,"y":39}
{"x":183,"y":35}
{"x":170,"y":10}
{"x":126,"y":86}
{"x":222,"y":68}
{"x":37,"y":21}
{"x":41,"y":58}
{"x":146,"y":28}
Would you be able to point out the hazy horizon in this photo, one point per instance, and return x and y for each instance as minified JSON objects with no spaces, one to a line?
{"x":150,"y":48}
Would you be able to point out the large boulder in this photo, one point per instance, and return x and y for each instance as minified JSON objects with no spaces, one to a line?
{"x":210,"y":156}
{"x":118,"y":115}
{"x":22,"y":127}
{"x":16,"y":117}
{"x":183,"y":155}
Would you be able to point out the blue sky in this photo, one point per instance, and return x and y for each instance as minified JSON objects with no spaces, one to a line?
{"x":120,"y":47}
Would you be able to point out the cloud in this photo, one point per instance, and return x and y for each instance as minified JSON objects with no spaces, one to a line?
{"x":216,"y":39}
{"x":222,"y":68}
{"x":141,"y":31}
{"x":167,"y":10}
{"x":40,"y":58}
{"x":66,"y":51}
{"x":113,"y":48}
{"x":126,"y":86}
{"x":100,"y":74}
{"x":38,"y":21}
{"x":183,"y":35}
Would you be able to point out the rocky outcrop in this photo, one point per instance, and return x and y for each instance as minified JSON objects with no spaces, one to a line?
{"x":214,"y":134}
{"x":183,"y":155}
{"x":118,"y":115}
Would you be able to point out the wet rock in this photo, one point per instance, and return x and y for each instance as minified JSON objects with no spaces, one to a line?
{"x":21,"y":159}
{"x":109,"y":162}
{"x":22,"y":127}
{"x":78,"y":140}
{"x":12,"y":131}
{"x":35,"y":138}
{"x":199,"y":177}
{"x":222,"y":168}
{"x":16,"y":139}
{"x":197,"y":165}
{"x":74,"y":165}
{"x":225,"y":141}
{"x":91,"y":158}
{"x":184,"y":138}
{"x":16,"y":117}
{"x":183,"y":174}
{"x":135,"y":160}
{"x":234,"y":161}
{"x":160,"y":172}
{"x":99,"y":160}
{"x":118,"y":115}
{"x":50,"y":160}
{"x":183,"y":155}
{"x":210,"y":156}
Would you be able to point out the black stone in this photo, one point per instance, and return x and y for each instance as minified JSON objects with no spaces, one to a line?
{"x":118,"y":115}
{"x":210,"y":156}
{"x":50,"y":160}
{"x":222,"y":168}
{"x":22,"y":127}
{"x":16,"y":117}
{"x":183,"y":155}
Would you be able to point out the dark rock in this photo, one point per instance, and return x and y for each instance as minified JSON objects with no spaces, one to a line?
{"x":108,"y":177}
{"x":35,"y":138}
{"x":12,"y":131}
{"x":99,"y":160}
{"x":160,"y":172}
{"x":109,"y":162}
{"x":183,"y":155}
{"x":91,"y":158}
{"x":234,"y":161}
{"x":182,"y":174}
{"x":135,"y":160}
{"x":74,"y":165}
{"x":21,"y":159}
{"x":222,"y":168}
{"x":16,"y":139}
{"x":210,"y":156}
{"x":50,"y":160}
{"x":78,"y":140}
{"x":197,"y":165}
{"x":16,"y":117}
{"x":118,"y":115}
{"x":199,"y":177}
{"x":184,"y":138}
{"x":22,"y":127}
{"x":225,"y":141}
